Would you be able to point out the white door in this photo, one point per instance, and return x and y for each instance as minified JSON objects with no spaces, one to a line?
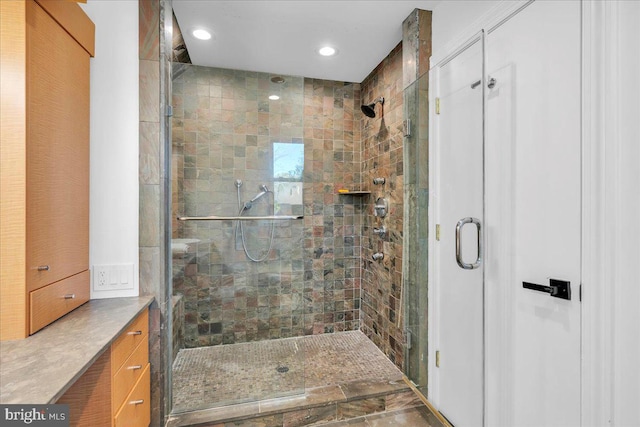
{"x":456,"y":195}
{"x":530,"y":340}
{"x":533,"y":211}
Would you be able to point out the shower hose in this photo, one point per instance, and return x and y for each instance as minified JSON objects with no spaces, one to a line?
{"x":239,"y":225}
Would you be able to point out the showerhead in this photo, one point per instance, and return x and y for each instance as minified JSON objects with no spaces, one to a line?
{"x":369,"y":109}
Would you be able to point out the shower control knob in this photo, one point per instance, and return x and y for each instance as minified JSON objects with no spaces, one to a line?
{"x":378,"y":256}
{"x":381,"y":207}
{"x":379,"y":181}
{"x":380,"y":231}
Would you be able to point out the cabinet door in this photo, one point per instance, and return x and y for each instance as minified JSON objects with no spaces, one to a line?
{"x":57,"y":152}
{"x":89,"y":397}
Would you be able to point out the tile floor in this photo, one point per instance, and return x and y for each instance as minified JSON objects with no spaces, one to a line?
{"x":418,"y":416}
{"x":209,"y":377}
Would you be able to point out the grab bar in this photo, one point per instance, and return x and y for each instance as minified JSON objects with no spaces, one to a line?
{"x":239,"y":218}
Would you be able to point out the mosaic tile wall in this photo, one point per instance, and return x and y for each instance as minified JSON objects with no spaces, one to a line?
{"x":382,"y":156}
{"x":333,"y":222}
{"x":223,"y":130}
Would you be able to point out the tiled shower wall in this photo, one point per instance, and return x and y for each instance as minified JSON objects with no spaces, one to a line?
{"x":333,"y":222}
{"x":150,"y":189}
{"x":398,"y":282}
{"x":154,"y":25}
{"x":223,"y":128}
{"x":382,"y":156}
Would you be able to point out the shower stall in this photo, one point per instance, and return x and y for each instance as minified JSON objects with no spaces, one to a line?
{"x":277,"y":293}
{"x":270,"y":296}
{"x":264,"y":252}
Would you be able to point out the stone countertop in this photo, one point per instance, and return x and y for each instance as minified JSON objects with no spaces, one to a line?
{"x":42,"y":367}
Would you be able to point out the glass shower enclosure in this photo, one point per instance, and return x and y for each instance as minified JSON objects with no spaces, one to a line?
{"x":415,"y":270}
{"x":237,"y":248}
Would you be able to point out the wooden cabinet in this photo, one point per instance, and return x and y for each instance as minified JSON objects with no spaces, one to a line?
{"x":115,"y":390}
{"x":44,"y":228}
{"x":130,"y":389}
{"x":136,"y":411}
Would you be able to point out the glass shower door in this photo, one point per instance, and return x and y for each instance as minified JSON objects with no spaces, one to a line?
{"x":240,"y":275}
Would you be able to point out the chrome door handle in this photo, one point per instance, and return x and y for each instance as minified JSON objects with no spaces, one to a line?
{"x":459,"y":225}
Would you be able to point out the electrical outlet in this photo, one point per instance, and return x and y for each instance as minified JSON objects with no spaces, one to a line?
{"x":100,"y":277}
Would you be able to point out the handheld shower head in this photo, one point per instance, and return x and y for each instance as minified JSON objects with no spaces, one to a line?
{"x":369,"y":109}
{"x":264,"y":191}
{"x":249,"y":204}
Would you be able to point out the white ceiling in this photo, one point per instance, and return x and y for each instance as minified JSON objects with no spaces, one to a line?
{"x":282,"y":37}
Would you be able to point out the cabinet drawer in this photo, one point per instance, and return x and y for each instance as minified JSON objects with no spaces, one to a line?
{"x":126,"y":377}
{"x":128,"y":340}
{"x":54,"y":301}
{"x":136,"y":409}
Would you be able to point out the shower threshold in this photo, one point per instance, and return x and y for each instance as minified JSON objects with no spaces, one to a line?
{"x":345,"y":376}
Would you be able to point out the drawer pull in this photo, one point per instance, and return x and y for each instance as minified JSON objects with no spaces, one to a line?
{"x":43,"y":268}
{"x":136,"y":402}
{"x":134,"y":333}
{"x":135,"y":367}
{"x":70,"y":296}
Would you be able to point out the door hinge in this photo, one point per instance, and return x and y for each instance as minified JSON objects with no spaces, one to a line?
{"x":437,"y":105}
{"x":169,"y":110}
{"x":406,"y":128}
{"x":438,"y":232}
{"x":437,"y":358}
{"x":408,"y":340}
{"x":580,"y":292}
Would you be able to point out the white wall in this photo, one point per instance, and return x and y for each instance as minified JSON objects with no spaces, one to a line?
{"x":455,"y":21}
{"x":623,"y":190}
{"x":452,"y":19}
{"x":114,"y":139}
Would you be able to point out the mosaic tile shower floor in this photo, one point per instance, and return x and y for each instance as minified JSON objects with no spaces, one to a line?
{"x":221,"y":375}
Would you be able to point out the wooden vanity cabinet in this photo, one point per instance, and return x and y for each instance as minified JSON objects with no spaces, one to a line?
{"x":115,"y":390}
{"x":131,"y":376}
{"x":44,"y":233}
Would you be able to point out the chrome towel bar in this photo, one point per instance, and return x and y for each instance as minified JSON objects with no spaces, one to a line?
{"x":240,"y":218}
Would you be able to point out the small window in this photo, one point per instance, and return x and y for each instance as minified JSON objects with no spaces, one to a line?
{"x":288,"y":161}
{"x":288,"y":166}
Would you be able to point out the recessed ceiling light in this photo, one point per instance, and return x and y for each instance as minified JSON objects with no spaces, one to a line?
{"x":327,"y":51}
{"x":274,"y":97}
{"x":201,"y":34}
